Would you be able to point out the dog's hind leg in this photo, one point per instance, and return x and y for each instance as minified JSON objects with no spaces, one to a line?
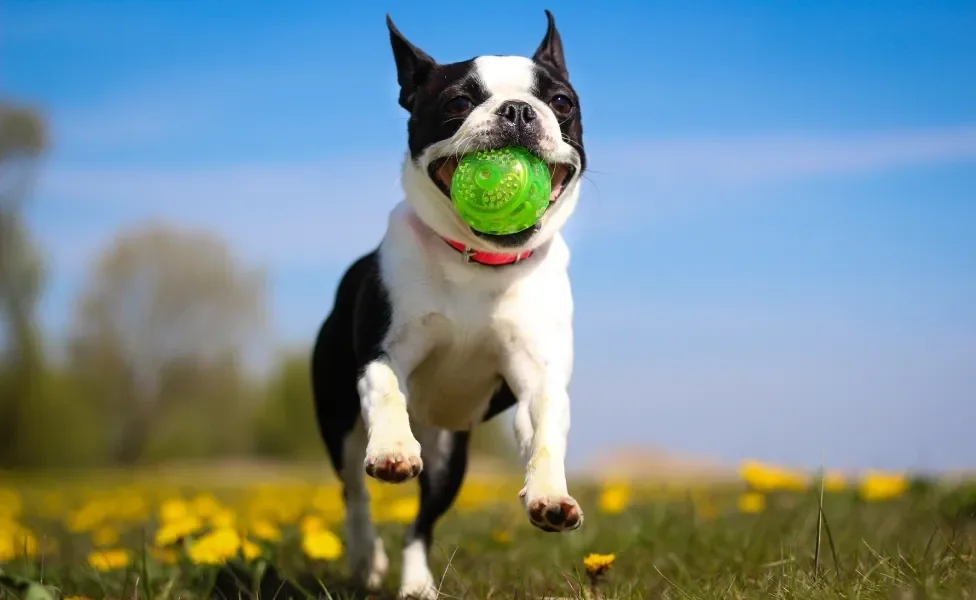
{"x":445,"y":455}
{"x":368,"y":562}
{"x":341,"y":424}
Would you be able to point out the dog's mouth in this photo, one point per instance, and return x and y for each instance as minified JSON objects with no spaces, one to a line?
{"x":441,"y":171}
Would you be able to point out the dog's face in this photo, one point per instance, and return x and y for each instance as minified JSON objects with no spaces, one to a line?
{"x":489,"y":102}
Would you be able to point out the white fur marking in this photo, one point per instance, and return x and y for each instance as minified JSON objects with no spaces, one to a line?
{"x":417,"y":581}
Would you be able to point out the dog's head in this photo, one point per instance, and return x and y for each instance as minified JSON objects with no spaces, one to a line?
{"x":489,"y":102}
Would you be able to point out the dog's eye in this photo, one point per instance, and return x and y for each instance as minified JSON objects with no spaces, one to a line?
{"x":457,"y":106}
{"x":561,"y":105}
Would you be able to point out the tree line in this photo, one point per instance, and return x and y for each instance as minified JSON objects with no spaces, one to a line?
{"x":153,"y":365}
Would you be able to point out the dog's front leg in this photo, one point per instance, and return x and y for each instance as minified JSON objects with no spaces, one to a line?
{"x":542,"y":428}
{"x":392,"y":451}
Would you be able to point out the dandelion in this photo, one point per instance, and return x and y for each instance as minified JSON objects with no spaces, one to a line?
{"x":767,"y":478}
{"x":174,"y":509}
{"x":322,"y":545}
{"x":265,"y":530}
{"x":215,"y":548}
{"x":752,"y":502}
{"x":311,"y":523}
{"x":223,"y":519}
{"x":596,"y":566}
{"x":109,"y":560}
{"x":88,"y":517}
{"x":877,"y":486}
{"x":614,"y":498}
{"x":205,"y":506}
{"x":176,"y":530}
{"x":250,"y":550}
{"x":402,"y":510}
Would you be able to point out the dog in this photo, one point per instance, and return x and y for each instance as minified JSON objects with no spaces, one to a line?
{"x":441,"y":327}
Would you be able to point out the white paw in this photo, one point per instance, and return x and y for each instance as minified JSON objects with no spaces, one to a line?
{"x":393,"y":462}
{"x":368,"y":563}
{"x":419,"y":589}
{"x":552,"y":512}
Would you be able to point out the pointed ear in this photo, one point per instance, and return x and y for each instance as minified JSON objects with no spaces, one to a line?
{"x":550,"y":52}
{"x":413,"y":65}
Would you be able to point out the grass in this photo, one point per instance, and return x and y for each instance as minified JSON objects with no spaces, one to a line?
{"x":667,"y":542}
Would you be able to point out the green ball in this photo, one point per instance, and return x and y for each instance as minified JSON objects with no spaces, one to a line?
{"x":501,"y":191}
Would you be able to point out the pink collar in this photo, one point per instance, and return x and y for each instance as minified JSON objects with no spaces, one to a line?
{"x":492,"y":259}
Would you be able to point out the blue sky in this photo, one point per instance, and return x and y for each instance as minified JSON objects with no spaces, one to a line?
{"x":775,"y":253}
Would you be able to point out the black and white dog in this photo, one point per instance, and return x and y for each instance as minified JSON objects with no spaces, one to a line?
{"x":441,"y":327}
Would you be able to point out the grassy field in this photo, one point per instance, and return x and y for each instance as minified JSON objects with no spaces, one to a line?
{"x":146,"y":537}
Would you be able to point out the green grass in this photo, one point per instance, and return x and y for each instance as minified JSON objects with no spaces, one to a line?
{"x":920,"y":545}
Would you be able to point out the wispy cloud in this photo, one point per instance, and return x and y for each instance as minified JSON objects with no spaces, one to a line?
{"x":749,"y":160}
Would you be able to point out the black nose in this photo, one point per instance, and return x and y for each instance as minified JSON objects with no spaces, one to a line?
{"x":517,"y":112}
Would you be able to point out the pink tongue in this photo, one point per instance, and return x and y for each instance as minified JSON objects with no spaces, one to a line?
{"x":558,"y":176}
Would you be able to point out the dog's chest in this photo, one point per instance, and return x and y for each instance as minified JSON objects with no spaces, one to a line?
{"x":453,"y":384}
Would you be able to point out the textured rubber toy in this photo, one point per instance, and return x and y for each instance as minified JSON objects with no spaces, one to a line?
{"x":501,"y":191}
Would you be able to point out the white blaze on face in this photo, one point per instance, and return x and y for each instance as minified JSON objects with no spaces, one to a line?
{"x":512,"y":78}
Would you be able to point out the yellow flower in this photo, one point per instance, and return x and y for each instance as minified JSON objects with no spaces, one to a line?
{"x":501,"y":536}
{"x":877,"y":486}
{"x":215,"y":547}
{"x":250,"y":550}
{"x":173,"y":531}
{"x":265,"y":530}
{"x":834,"y":481}
{"x":206,"y":506}
{"x":88,"y":517}
{"x":614,"y":498}
{"x":322,"y":545}
{"x":752,"y":502}
{"x":105,"y":536}
{"x":311,"y":523}
{"x":109,"y":560}
{"x":223,"y":519}
{"x":174,"y":509}
{"x":597,"y":564}
{"x":767,"y":478}
{"x":402,"y":510}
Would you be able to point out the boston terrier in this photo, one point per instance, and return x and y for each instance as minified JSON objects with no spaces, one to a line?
{"x":442,"y":327}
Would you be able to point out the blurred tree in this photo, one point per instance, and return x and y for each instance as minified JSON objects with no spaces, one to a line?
{"x":157,"y":340}
{"x":22,"y":141}
{"x":285,"y":425}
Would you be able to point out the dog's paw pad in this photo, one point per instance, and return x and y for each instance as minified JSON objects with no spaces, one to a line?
{"x":555,"y":514}
{"x":394,"y":467}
